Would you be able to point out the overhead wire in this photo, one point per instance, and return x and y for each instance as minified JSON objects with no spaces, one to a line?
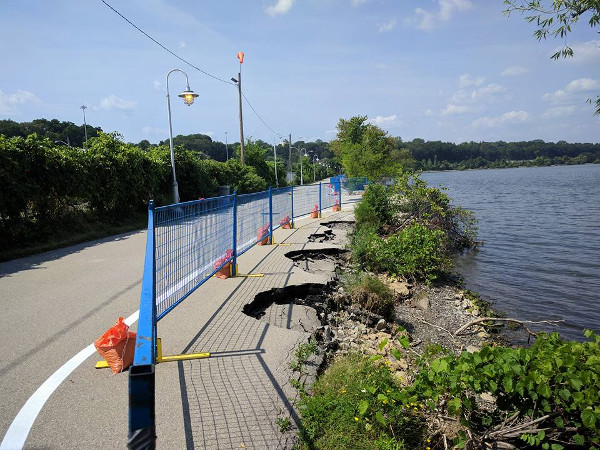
{"x":165,"y":48}
{"x":258,"y":115}
{"x":187,"y":62}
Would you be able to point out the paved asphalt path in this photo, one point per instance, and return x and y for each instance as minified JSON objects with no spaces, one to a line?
{"x":53,"y":306}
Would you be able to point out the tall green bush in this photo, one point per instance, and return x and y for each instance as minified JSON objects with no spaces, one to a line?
{"x":409,"y":230}
{"x":553,"y":386}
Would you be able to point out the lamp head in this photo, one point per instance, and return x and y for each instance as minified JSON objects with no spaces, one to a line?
{"x":188,"y":96}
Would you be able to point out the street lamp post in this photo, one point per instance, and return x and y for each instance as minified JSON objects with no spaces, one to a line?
{"x":226,"y":148}
{"x":188,"y":97}
{"x":315,"y":168}
{"x":275,"y":159}
{"x":83,"y":108}
{"x":301,"y":157}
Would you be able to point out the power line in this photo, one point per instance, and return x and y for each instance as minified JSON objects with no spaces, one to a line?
{"x":165,"y":48}
{"x":187,"y":62}
{"x":257,"y":115}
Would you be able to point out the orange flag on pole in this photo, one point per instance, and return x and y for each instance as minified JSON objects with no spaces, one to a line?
{"x":240,"y":56}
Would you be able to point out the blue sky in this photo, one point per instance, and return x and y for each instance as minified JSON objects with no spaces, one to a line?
{"x":451,"y":70}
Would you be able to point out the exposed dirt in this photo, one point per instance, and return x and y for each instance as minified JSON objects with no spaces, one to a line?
{"x":317,"y":260}
{"x":301,"y":307}
{"x":327,"y":235}
{"x":339,"y":224}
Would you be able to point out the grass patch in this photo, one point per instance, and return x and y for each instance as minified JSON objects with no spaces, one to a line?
{"x":356,"y":405}
{"x":370,"y":293}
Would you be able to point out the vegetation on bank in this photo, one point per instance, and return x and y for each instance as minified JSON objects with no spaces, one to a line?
{"x":545,"y":396}
{"x":410,"y":230}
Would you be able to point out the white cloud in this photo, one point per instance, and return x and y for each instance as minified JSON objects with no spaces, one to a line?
{"x":356,"y":3}
{"x":487,"y":90}
{"x":448,"y":7}
{"x":571,"y":91}
{"x":281,"y":7}
{"x":379,"y":120}
{"x":8,"y":102}
{"x":208,"y":133}
{"x":455,"y":109}
{"x":466,"y":80}
{"x":473,"y":91}
{"x":388,"y":26}
{"x":157,"y":85}
{"x":559,"y":111}
{"x":514,"y":71}
{"x":427,"y":20}
{"x":509,"y":118}
{"x":182,"y":44}
{"x":112,"y":102}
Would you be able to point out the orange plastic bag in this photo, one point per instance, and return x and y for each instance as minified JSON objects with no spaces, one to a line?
{"x":117,"y":346}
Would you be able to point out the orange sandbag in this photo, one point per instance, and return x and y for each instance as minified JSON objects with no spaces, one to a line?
{"x":117,"y":346}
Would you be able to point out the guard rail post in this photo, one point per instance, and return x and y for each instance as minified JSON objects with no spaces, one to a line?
{"x":142,"y":418}
{"x":234,"y":269}
{"x":292,"y":206}
{"x":320,"y":208}
{"x":271,"y":240}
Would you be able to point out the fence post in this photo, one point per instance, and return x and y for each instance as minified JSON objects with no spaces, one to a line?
{"x":292,"y":226}
{"x":234,"y":268}
{"x":319,"y":199}
{"x":142,"y":423}
{"x":271,"y":215}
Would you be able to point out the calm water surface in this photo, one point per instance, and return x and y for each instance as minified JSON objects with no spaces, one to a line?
{"x":541,"y":227}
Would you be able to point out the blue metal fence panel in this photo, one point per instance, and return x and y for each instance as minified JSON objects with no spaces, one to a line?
{"x":330,"y":195}
{"x":282,"y":206}
{"x":193,"y":241}
{"x":305,"y":199}
{"x":252,"y":219}
{"x":355,"y":184}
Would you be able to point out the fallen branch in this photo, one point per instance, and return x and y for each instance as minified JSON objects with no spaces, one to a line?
{"x":502,"y":319}
{"x":516,"y":431}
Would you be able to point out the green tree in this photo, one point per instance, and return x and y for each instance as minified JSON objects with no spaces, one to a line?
{"x":364,"y":148}
{"x":555,"y":19}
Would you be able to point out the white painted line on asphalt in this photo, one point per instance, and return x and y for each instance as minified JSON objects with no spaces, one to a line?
{"x":19,"y":429}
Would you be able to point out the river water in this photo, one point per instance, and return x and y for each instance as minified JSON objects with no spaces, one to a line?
{"x":541,"y":227}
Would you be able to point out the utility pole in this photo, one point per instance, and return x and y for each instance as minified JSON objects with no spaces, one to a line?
{"x":83,"y":108}
{"x":240,"y":56}
{"x":290,"y":155}
{"x":242,"y":152}
{"x":226,"y":148}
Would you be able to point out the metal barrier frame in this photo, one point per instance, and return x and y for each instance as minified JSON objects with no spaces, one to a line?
{"x":142,"y":426}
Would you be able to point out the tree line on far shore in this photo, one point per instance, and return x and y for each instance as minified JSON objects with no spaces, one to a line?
{"x":417,"y":154}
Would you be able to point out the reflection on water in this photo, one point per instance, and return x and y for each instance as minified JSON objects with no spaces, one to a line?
{"x":541,"y":227}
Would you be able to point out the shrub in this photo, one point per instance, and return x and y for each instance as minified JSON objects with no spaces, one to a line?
{"x":554,"y":382}
{"x":355,"y":404}
{"x":370,"y":293}
{"x":415,"y":252}
{"x":418,"y":202}
{"x":376,"y":207}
